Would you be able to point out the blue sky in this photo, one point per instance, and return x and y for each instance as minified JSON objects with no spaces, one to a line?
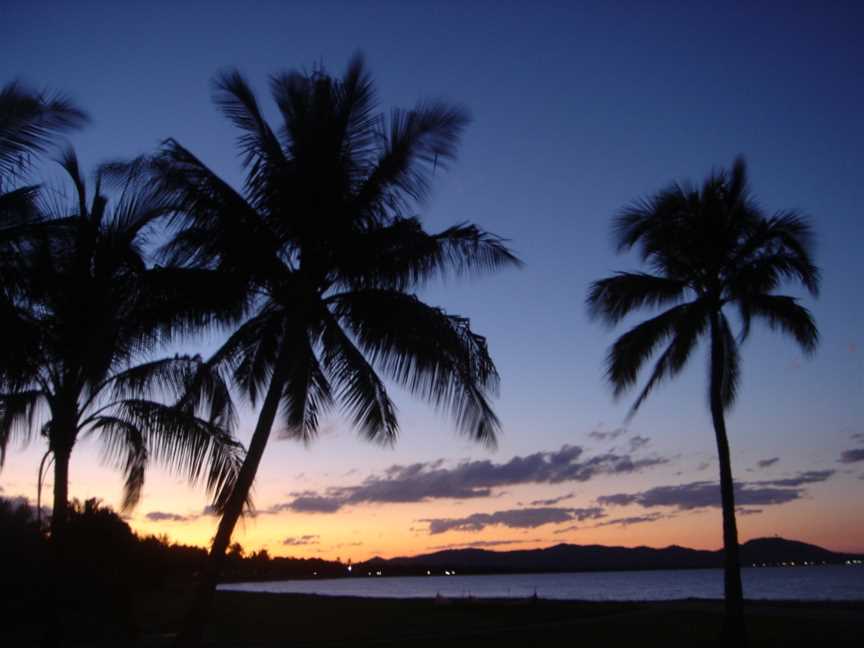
{"x":578,"y":108}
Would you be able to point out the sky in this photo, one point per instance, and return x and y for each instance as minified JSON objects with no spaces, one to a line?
{"x":578,"y":109}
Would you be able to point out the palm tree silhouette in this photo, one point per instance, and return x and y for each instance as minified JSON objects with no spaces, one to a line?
{"x":707,"y":248}
{"x":329,"y":262}
{"x":86,"y":310}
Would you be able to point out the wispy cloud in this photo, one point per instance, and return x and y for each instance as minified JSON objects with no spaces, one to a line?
{"x":421,"y":482}
{"x":552,"y":501}
{"x":480,"y":544}
{"x":806,"y":477}
{"x":301,"y":541}
{"x":852,"y":456}
{"x":767,"y":463}
{"x":599,"y":434}
{"x":747,"y":511}
{"x":701,"y":494}
{"x":633,"y":519}
{"x":637,"y":442}
{"x":527,"y":518}
{"x":162,"y":516}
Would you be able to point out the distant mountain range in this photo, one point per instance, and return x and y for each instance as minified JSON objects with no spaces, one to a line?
{"x":567,"y":557}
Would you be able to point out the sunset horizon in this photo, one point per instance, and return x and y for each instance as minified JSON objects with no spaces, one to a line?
{"x":341,"y":281}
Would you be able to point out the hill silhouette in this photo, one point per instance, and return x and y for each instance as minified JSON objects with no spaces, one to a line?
{"x":568,"y":557}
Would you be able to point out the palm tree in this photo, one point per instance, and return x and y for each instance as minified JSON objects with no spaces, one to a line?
{"x":87,"y":310}
{"x":707,"y":248}
{"x":330,"y":261}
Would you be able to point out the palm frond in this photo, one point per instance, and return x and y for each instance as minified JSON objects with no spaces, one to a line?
{"x":30,"y":122}
{"x":434,"y":355}
{"x":69,"y":161}
{"x":684,"y":336}
{"x":220,"y":226}
{"x":636,"y":346}
{"x":402,"y":255}
{"x":776,"y":248}
{"x":358,"y":386}
{"x":17,"y":414}
{"x":197,"y":387}
{"x":307,"y":393}
{"x":417,"y":142}
{"x":730,"y":363}
{"x":262,"y":153}
{"x":124,"y":446}
{"x":251,"y":352}
{"x":183,"y":443}
{"x":613,"y":298}
{"x":177,"y":302}
{"x":781,"y":312}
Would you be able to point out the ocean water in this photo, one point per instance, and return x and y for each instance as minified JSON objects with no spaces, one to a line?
{"x":791,"y":583}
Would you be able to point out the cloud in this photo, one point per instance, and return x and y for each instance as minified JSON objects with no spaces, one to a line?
{"x":633,"y":519}
{"x":746,"y":511}
{"x":161,"y":516}
{"x":553,"y":501}
{"x":705,"y":465}
{"x":852,"y":456}
{"x":301,"y":540}
{"x":766,"y":463}
{"x":806,"y":477}
{"x":638,"y":442}
{"x":527,"y":518}
{"x":309,"y":504}
{"x":607,"y":435}
{"x":477,"y":544}
{"x":421,"y":482}
{"x":566,"y":529}
{"x":702,"y":494}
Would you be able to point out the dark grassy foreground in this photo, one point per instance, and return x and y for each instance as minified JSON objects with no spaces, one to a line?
{"x":270,"y":620}
{"x":244,"y":619}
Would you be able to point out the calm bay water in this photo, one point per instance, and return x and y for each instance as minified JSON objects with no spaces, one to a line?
{"x":801,"y":583}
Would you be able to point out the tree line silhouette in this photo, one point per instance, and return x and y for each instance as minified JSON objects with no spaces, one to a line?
{"x":310,"y":271}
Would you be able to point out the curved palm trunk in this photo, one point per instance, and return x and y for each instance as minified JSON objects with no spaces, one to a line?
{"x":39,"y":481}
{"x":193,"y":628}
{"x":734,"y":631}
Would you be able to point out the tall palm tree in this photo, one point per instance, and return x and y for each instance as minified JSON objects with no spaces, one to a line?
{"x":88,"y":314}
{"x":323,"y":238}
{"x":707,"y":248}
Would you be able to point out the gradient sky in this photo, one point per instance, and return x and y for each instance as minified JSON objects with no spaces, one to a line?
{"x":578,"y":108}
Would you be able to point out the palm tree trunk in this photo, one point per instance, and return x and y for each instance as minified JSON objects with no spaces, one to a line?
{"x":193,"y":628}
{"x":60,"y":510}
{"x":734,"y":631}
{"x":54,"y":630}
